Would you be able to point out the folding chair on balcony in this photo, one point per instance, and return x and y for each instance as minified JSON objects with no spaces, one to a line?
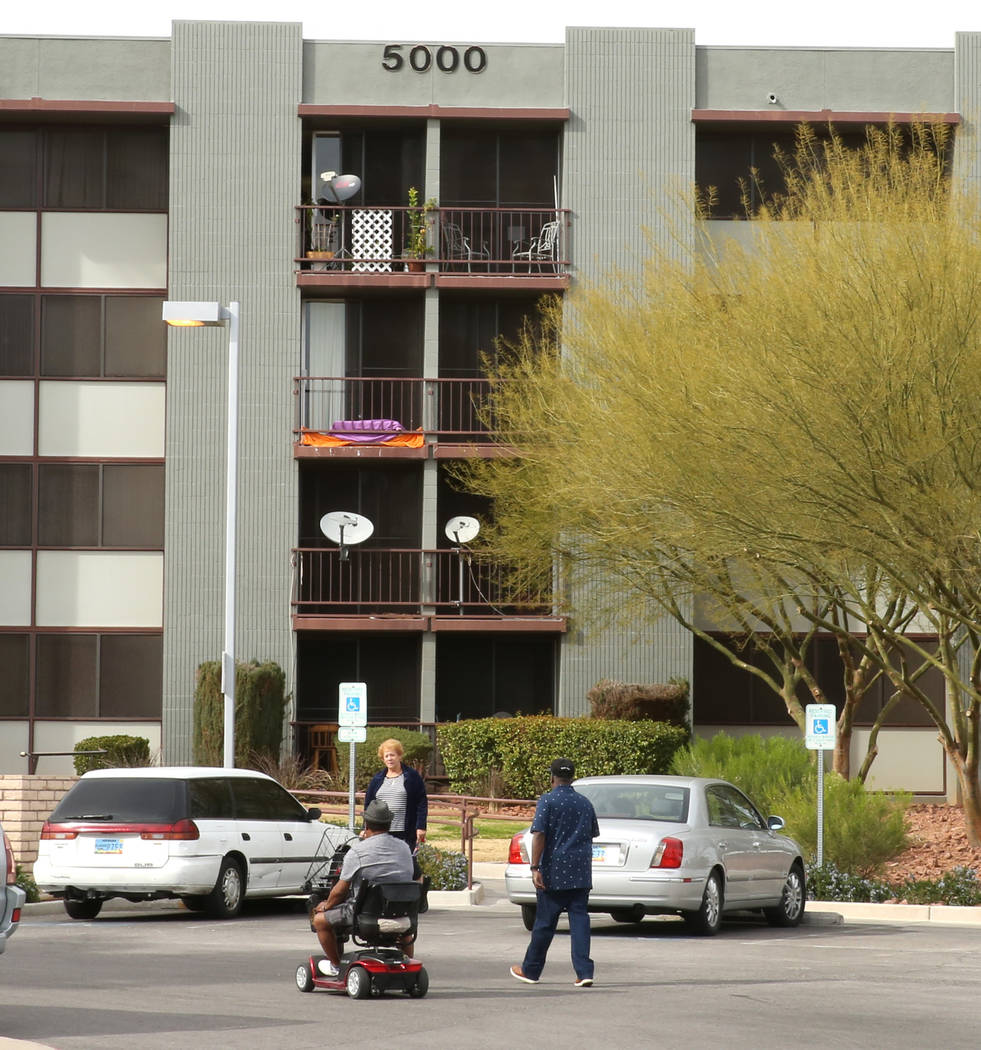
{"x":456,"y":245}
{"x":541,"y":249}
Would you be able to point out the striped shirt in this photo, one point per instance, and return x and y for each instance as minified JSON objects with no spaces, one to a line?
{"x":392,"y":793}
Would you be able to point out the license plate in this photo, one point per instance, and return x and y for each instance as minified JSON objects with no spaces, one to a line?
{"x":108,"y":845}
{"x":606,"y":854}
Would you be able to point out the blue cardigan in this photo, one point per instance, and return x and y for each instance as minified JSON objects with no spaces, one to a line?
{"x":416,"y":800}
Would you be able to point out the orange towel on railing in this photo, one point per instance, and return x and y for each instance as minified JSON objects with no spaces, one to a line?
{"x":403,"y":439}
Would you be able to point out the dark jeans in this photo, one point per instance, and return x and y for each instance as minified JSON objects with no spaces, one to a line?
{"x":406,"y":836}
{"x":551,"y":904}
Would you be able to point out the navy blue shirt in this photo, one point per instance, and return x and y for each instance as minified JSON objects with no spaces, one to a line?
{"x":568,"y":822}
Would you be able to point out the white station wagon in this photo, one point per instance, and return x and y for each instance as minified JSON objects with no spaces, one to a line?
{"x":212,"y":837}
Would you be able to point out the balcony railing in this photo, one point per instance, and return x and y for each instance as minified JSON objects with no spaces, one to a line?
{"x":408,"y":581}
{"x":468,"y":241}
{"x":443,"y":408}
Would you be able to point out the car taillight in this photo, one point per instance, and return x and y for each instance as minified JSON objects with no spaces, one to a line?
{"x":11,"y":866}
{"x":183,"y":831}
{"x":55,"y":831}
{"x":668,"y":853}
{"x":516,"y":852}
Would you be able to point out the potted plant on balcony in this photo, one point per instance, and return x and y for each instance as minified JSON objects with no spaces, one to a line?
{"x":417,"y":247}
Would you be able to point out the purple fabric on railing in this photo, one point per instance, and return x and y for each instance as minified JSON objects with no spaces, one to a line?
{"x":366,"y":431}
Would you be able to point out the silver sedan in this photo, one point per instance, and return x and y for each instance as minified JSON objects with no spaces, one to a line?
{"x":685,"y":846}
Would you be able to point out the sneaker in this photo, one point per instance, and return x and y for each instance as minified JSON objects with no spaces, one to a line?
{"x":584,"y":982}
{"x":518,"y":974}
{"x":327,"y":968}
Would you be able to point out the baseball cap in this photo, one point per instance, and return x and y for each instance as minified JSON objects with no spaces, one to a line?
{"x":563,"y":767}
{"x":377,"y":812}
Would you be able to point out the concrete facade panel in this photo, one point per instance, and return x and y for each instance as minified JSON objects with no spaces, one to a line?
{"x":15,"y":594}
{"x":101,"y":420}
{"x":99,"y":589}
{"x":103,"y":250}
{"x":16,"y":418}
{"x":18,"y":260}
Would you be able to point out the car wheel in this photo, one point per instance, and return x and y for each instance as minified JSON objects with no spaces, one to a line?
{"x":790,"y":910}
{"x":528,"y":913}
{"x":225,"y":900}
{"x":421,"y":985}
{"x":707,"y":920}
{"x":83,"y":909}
{"x":195,"y":901}
{"x":634,"y":914}
{"x":304,"y":978}
{"x":358,"y":982}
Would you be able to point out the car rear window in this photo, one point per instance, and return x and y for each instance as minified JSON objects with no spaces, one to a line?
{"x":664,"y":802}
{"x":138,"y":800}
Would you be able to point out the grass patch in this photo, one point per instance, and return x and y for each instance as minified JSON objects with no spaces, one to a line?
{"x":487,"y":829}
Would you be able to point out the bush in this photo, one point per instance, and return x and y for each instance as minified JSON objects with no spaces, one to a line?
{"x":633,"y":703}
{"x":446,"y":869}
{"x":417,"y":747}
{"x":28,"y":885}
{"x":521,"y":749}
{"x":260,"y":699}
{"x":959,"y":886}
{"x":293,"y":773}
{"x":765,"y":769}
{"x":121,"y":750}
{"x":830,"y":883}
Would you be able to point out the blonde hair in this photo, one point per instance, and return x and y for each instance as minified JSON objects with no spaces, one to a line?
{"x":390,"y":745}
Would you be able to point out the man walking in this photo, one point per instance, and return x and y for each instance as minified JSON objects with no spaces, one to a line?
{"x":562,"y":836}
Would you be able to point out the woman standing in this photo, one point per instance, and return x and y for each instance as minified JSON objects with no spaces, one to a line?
{"x":404,"y":791}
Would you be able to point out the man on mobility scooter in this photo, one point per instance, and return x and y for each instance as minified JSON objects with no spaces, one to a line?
{"x":375,"y":901}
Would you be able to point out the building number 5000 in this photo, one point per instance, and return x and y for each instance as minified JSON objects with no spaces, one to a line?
{"x":421,"y":58}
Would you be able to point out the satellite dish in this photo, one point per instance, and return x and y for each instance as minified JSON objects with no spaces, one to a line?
{"x":338,"y":188}
{"x":346,"y":528}
{"x":462,"y":529}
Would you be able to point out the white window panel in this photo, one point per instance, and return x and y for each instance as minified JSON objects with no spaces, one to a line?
{"x":63,"y":736}
{"x":13,"y":740}
{"x":15,"y":588}
{"x":16,"y":417}
{"x":18,"y":260}
{"x":103,"y":250}
{"x":99,"y":589}
{"x":101,"y":419}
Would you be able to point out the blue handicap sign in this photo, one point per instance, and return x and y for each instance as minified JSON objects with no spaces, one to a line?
{"x":353,"y":703}
{"x":821,"y":727}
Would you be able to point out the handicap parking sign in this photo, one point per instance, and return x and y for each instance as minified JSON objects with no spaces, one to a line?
{"x":821,"y":724}
{"x":352,"y":708}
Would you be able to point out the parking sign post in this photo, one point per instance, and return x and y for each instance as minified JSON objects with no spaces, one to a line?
{"x":819,"y":735}
{"x":352,"y":722}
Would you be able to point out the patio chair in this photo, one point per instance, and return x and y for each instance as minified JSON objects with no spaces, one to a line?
{"x":541,"y":249}
{"x":457,"y":246}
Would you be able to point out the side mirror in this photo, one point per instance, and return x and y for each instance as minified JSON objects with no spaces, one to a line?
{"x":775,"y":823}
{"x":314,"y":813}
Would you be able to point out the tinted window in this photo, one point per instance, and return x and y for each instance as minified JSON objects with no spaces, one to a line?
{"x":137,"y":799}
{"x":638,"y":801}
{"x":16,"y":492}
{"x":729,"y":808}
{"x":16,"y":333}
{"x":210,"y":799}
{"x":257,"y":799}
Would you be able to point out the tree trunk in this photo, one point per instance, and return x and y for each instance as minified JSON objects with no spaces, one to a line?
{"x":970,"y":790}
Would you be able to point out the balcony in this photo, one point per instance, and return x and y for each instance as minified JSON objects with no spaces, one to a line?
{"x":448,"y":414}
{"x":412,"y":590}
{"x":365,"y":247}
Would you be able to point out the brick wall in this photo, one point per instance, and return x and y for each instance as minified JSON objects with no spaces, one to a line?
{"x":25,"y":802}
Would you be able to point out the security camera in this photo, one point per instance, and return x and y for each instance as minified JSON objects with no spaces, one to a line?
{"x":771,"y":98}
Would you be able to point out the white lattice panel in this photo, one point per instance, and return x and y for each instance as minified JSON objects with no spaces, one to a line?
{"x":371,"y":241}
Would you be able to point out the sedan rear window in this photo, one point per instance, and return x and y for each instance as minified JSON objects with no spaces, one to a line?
{"x":118,"y":800}
{"x":664,"y":802}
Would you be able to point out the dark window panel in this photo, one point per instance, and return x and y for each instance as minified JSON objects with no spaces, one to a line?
{"x":131,"y":676}
{"x":66,"y":676}
{"x":68,"y":505}
{"x":136,"y":339}
{"x":18,"y":171}
{"x":16,"y":331}
{"x":137,"y":165}
{"x":15,"y":680}
{"x":133,"y":505}
{"x":16,"y":491}
{"x":74,"y":168}
{"x":71,"y":335}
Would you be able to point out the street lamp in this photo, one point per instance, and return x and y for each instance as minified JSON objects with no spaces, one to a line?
{"x":197,"y":315}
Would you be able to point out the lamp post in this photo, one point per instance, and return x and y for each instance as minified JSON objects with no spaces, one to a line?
{"x":197,"y":315}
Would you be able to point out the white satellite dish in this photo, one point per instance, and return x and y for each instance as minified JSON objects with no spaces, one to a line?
{"x":345,"y":528}
{"x":338,"y":188}
{"x":462,"y":529}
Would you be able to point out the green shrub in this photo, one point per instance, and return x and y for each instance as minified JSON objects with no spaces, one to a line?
{"x":765,"y":769}
{"x":830,"y":883}
{"x":28,"y":885}
{"x":416,"y":745}
{"x":959,"y":886}
{"x":446,"y":869}
{"x":121,"y":750}
{"x":633,"y":703}
{"x":521,"y":749}
{"x":260,"y":700}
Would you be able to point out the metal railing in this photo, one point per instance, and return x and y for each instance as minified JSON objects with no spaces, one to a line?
{"x":447,"y":408}
{"x":409,"y":581}
{"x":490,"y":241}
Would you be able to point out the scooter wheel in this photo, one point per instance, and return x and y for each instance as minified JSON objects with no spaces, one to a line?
{"x":358,"y":982}
{"x":304,"y":978}
{"x":421,"y":985}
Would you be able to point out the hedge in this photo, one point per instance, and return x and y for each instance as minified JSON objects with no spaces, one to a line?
{"x":366,"y":761}
{"x":260,"y":700}
{"x":521,"y":750}
{"x":633,"y":703}
{"x":121,"y":750}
